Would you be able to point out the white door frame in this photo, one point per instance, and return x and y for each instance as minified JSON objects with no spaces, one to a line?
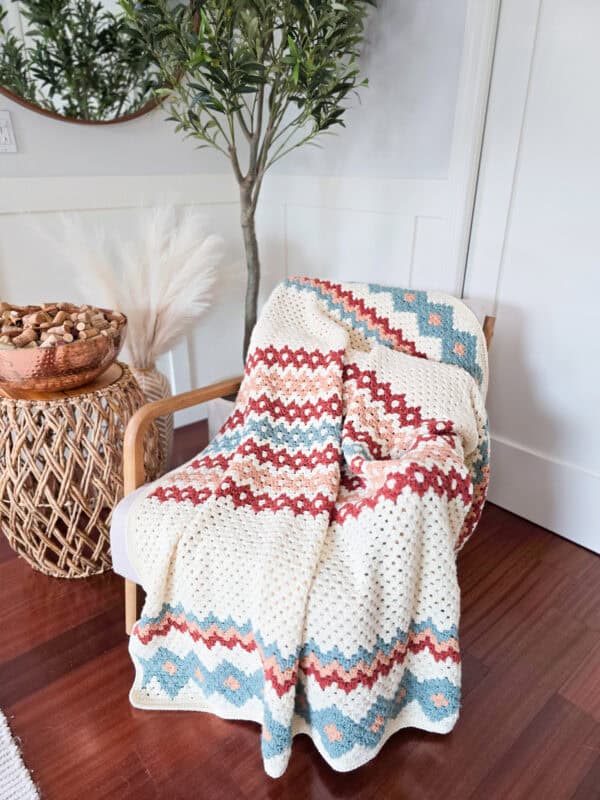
{"x":481,"y":27}
{"x":506,"y":114}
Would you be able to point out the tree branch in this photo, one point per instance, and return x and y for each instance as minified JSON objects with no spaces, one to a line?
{"x":233,"y":156}
{"x":243,"y":125}
{"x":257,"y":130}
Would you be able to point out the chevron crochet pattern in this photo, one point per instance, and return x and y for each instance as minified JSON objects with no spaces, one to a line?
{"x":301,"y":571}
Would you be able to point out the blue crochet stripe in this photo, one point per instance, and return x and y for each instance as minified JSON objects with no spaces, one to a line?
{"x":293,"y":437}
{"x":422,"y":308}
{"x":339,"y":310}
{"x":483,"y":458}
{"x":446,"y":332}
{"x":439,"y":699}
{"x":243,"y":629}
{"x":310,"y":647}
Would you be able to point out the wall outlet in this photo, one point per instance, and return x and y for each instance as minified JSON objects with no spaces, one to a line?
{"x":8,"y":143}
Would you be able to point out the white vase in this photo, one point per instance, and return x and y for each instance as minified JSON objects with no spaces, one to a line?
{"x":155,"y":386}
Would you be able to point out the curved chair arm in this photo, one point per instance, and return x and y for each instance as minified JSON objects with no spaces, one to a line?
{"x":133,"y":445}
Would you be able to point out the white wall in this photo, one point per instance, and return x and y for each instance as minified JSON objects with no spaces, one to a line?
{"x":402,"y":128}
{"x":378,"y":202}
{"x":144,"y":146}
{"x":535,"y":249}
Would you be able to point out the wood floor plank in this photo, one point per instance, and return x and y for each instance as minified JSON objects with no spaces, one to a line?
{"x":40,"y":666}
{"x":509,"y":620}
{"x":501,"y":536}
{"x":189,"y":440}
{"x":84,"y":717}
{"x":551,"y":756}
{"x":38,"y":608}
{"x":569,"y":557}
{"x":497,"y":597}
{"x":473,"y":672}
{"x":580,"y":597}
{"x":589,"y":789}
{"x":6,"y":551}
{"x":582,"y":687}
{"x":498,"y":709}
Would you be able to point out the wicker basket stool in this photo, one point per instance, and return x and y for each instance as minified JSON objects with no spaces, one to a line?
{"x":61,"y":471}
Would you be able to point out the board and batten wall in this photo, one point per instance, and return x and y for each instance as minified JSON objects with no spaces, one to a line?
{"x":535,"y":248}
{"x":388,"y":199}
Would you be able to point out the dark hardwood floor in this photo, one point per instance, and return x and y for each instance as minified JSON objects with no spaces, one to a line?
{"x":529,"y":727}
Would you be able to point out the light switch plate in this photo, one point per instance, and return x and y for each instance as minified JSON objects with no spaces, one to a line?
{"x":8,"y":143}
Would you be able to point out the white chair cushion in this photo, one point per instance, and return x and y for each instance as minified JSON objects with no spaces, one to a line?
{"x":118,"y":536}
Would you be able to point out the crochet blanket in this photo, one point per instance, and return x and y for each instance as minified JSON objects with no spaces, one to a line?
{"x":301,"y":571}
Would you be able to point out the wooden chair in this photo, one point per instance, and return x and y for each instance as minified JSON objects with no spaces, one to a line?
{"x":133,"y":449}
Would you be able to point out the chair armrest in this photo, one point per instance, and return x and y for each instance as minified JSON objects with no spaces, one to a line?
{"x":488,"y":329}
{"x":133,"y":445}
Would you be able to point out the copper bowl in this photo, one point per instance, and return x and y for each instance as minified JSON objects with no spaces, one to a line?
{"x":53,"y":369}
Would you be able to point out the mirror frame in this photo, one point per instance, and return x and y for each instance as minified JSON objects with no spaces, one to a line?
{"x":145,"y":109}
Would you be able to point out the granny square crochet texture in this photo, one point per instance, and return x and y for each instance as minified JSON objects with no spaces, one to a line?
{"x":301,"y":571}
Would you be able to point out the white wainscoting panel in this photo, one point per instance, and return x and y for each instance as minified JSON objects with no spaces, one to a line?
{"x":375,"y":247}
{"x":429,"y":256}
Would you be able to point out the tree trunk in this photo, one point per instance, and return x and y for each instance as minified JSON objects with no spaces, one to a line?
{"x":252,"y":265}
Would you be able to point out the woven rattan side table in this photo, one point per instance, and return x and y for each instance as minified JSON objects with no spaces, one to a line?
{"x":61,"y":471}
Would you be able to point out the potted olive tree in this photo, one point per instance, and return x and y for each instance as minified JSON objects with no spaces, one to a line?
{"x":253,"y":79}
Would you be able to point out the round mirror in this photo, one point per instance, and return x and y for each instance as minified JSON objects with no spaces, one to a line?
{"x":74,"y":60}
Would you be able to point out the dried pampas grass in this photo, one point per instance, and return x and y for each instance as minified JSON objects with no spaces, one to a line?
{"x":162,"y":277}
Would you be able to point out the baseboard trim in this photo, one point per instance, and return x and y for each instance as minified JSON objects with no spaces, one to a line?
{"x":554,"y":494}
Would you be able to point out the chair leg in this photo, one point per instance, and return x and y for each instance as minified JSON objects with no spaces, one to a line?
{"x":130,"y":605}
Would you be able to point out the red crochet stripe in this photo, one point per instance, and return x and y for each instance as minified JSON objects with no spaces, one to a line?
{"x":265,"y":454}
{"x":299,"y":504}
{"x":188,"y":494}
{"x":352,"y":482}
{"x":209,"y":462}
{"x":171,"y":622}
{"x":375,"y":448}
{"x":382,"y":323}
{"x":281,"y":457}
{"x":474,"y":514}
{"x":381,"y":669}
{"x":433,"y":478}
{"x":286,"y":357}
{"x":290,"y":412}
{"x":394,"y":404}
{"x":244,"y":496}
